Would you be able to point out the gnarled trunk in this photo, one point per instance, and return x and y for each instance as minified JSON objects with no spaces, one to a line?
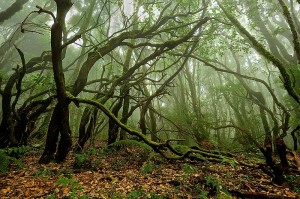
{"x":59,"y":124}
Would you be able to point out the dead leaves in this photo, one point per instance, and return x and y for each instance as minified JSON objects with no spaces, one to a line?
{"x":118,"y":176}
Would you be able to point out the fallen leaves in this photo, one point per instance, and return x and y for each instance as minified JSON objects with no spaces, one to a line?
{"x":121,"y":176}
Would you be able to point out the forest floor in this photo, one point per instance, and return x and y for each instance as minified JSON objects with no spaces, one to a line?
{"x":126,"y":174}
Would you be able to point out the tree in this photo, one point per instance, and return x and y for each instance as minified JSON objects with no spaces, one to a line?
{"x":199,"y":72}
{"x":91,"y":59}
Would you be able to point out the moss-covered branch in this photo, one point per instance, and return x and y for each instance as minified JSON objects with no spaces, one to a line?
{"x":160,"y":147}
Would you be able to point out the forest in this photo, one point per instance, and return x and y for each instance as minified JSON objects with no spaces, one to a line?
{"x":150,"y":99}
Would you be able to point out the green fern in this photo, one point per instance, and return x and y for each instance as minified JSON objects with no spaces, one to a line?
{"x":80,"y":159}
{"x":6,"y":160}
{"x":213,"y":182}
{"x":17,"y":151}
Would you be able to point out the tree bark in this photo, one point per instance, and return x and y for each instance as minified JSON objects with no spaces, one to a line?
{"x":113,"y":127}
{"x":60,"y":116}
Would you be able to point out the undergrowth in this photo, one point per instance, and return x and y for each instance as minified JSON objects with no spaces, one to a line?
{"x":10,"y":156}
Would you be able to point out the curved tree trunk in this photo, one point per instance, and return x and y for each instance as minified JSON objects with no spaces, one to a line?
{"x":60,"y":117}
{"x":113,"y":127}
{"x":86,"y":128}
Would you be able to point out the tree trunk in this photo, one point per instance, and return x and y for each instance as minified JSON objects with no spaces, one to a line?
{"x":61,"y":112}
{"x":278,"y":169}
{"x":52,"y":137}
{"x":113,"y":128}
{"x":88,"y":119}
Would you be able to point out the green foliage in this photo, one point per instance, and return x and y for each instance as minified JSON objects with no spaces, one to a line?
{"x":213,"y":182}
{"x":63,"y":181}
{"x":17,"y":151}
{"x":188,"y":169}
{"x":4,"y":163}
{"x":92,"y":151}
{"x":215,"y":186}
{"x":80,"y":159}
{"x":232,"y":162}
{"x":148,"y":167}
{"x":74,"y":186}
{"x":133,"y":150}
{"x":134,"y":194}
{"x":278,"y":30}
{"x":294,"y":181}
{"x":224,"y":195}
{"x":88,"y":159}
{"x":181,"y":148}
{"x":45,"y":173}
{"x":155,"y":196}
{"x":52,"y":196}
{"x":8,"y":157}
{"x":130,"y":143}
{"x":204,"y":194}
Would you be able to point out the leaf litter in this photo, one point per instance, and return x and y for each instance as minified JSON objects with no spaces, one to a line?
{"x":123,"y":175}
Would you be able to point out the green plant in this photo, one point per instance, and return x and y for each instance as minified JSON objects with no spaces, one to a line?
{"x":7,"y":160}
{"x":130,"y":143}
{"x":134,"y":194}
{"x":204,"y":194}
{"x":17,"y":151}
{"x":188,"y":169}
{"x":215,"y":188}
{"x":232,"y":162}
{"x":213,"y":182}
{"x":92,"y":151}
{"x":294,"y":181}
{"x":74,"y":186}
{"x":148,"y":167}
{"x":89,"y":159}
{"x":51,"y":196}
{"x":80,"y":159}
{"x":44,"y":173}
{"x":224,"y":195}
{"x":155,"y":196}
